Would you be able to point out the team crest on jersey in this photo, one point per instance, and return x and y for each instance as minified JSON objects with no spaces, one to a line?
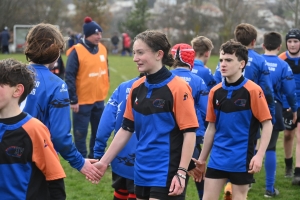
{"x":63,"y":88}
{"x":240,"y":102}
{"x":159,"y":103}
{"x":136,"y":101}
{"x":14,"y":151}
{"x":185,"y":96}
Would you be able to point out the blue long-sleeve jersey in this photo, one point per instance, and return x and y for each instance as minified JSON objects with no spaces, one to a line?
{"x":200,"y":95}
{"x":111,"y":120}
{"x":282,"y":80}
{"x":257,"y":71}
{"x":49,"y":102}
{"x":205,"y":73}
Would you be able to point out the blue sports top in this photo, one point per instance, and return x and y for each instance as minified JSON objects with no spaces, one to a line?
{"x":205,"y":73}
{"x":237,"y":111}
{"x":49,"y":102}
{"x":282,"y":80}
{"x":257,"y":71}
{"x":200,"y":95}
{"x":111,"y":120}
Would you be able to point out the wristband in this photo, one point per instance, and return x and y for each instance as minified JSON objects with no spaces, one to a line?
{"x":181,"y":175}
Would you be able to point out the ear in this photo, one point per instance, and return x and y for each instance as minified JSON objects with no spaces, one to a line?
{"x":253,"y":42}
{"x":160,"y":55}
{"x":206,"y":53}
{"x":278,"y":49}
{"x":243,"y":64}
{"x":18,"y":91}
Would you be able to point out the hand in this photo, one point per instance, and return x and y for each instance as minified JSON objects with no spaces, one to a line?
{"x":75,"y":107}
{"x":198,"y":172}
{"x":101,"y":167}
{"x":91,"y":172}
{"x":255,"y":164}
{"x":176,"y":187}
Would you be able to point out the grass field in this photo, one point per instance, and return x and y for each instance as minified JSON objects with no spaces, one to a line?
{"x":121,"y":69}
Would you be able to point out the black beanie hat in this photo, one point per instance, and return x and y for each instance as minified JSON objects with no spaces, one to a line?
{"x":90,"y":27}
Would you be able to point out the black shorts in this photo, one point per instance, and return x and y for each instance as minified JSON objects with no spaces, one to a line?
{"x":142,"y":192}
{"x":120,"y":182}
{"x":236,"y":178}
{"x":288,"y":119}
{"x":278,"y":126}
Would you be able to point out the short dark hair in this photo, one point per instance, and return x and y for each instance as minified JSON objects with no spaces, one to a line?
{"x":272,"y":40}
{"x":234,"y":47}
{"x":14,"y":72}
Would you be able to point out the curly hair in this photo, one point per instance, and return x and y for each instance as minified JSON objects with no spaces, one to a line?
{"x":14,"y":72}
{"x":234,"y":47}
{"x":44,"y":43}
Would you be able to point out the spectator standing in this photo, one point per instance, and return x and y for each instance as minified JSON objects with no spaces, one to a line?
{"x":5,"y":36}
{"x":126,"y":44}
{"x":115,"y":42}
{"x":88,"y":84}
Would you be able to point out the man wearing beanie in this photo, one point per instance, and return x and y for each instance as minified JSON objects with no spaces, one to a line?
{"x":88,"y":84}
{"x":292,"y":57}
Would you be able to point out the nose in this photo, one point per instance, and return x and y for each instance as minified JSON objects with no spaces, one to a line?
{"x":135,"y":57}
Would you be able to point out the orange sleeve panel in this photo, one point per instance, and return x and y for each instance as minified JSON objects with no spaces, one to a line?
{"x":183,"y":107}
{"x":258,"y":101}
{"x":44,"y":156}
{"x":283,"y":56}
{"x":210,"y":112}
{"x":128,"y":111}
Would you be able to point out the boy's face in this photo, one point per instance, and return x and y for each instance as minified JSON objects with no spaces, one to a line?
{"x":6,"y":96}
{"x":293,"y":45}
{"x":230,"y":66}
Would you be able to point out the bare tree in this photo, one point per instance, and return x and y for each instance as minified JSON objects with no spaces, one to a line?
{"x":293,"y":6}
{"x":95,"y":9}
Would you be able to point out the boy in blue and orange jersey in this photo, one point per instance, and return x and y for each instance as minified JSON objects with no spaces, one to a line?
{"x":236,"y":108}
{"x":283,"y":83}
{"x":29,"y":165}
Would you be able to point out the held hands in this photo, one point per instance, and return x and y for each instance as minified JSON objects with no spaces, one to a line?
{"x":198,"y":172}
{"x":90,"y":171}
{"x":255,"y":164}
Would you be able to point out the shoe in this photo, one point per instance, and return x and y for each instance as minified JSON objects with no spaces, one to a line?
{"x":228,"y":191}
{"x":288,"y":173}
{"x":269,"y":194}
{"x":296,"y":180}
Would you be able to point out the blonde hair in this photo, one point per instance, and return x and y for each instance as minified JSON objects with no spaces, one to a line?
{"x":201,"y":45}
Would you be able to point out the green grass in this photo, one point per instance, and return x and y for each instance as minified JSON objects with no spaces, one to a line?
{"x":78,"y":188}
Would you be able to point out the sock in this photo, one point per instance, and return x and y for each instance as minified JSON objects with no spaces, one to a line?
{"x":200,"y":189}
{"x":270,"y":167}
{"x":131,"y":197}
{"x":120,"y":194}
{"x":289,"y":162}
{"x":297,"y":171}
